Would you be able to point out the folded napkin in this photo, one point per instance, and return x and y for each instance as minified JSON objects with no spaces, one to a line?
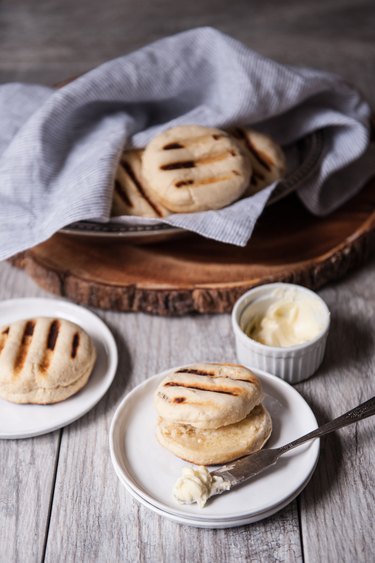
{"x":59,"y":148}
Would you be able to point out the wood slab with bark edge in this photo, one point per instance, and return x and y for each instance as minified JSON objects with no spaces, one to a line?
{"x":194,"y":274}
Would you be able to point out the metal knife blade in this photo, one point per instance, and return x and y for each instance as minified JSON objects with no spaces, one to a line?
{"x":247,"y":467}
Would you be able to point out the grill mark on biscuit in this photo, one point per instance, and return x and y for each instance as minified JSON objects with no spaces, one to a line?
{"x":202,"y":182}
{"x":195,"y":372}
{"x":130,"y":172}
{"x":75,"y":344}
{"x":216,"y":157}
{"x":29,"y":329}
{"x":6,"y":330}
{"x":171,"y":146}
{"x":122,"y":194}
{"x":24,"y":346}
{"x":178,"y":165}
{"x":215,"y":180}
{"x":179,"y":400}
{"x":53,"y":334}
{"x":260,"y":157}
{"x":191,"y":371}
{"x":184,"y":183}
{"x":199,"y":388}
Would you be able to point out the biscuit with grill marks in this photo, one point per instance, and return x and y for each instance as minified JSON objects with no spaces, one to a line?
{"x":44,"y":360}
{"x":221,"y":445}
{"x":131,"y":195}
{"x":266,"y":156}
{"x":208,"y":395}
{"x":194,"y":168}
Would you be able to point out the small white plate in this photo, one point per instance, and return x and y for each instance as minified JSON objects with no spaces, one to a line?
{"x":219,"y":523}
{"x":25,"y":421}
{"x":149,"y":471}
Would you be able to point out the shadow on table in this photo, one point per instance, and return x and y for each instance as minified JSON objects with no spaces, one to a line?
{"x":117,"y":389}
{"x":350,"y":340}
{"x":124,"y":369}
{"x":329,"y":464}
{"x":333,"y":448}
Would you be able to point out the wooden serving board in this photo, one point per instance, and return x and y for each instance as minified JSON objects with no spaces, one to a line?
{"x":194,"y":274}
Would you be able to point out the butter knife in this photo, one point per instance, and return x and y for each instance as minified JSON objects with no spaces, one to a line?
{"x":247,"y":467}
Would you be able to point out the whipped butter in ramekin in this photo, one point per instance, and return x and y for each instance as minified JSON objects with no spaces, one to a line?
{"x":281,"y":328}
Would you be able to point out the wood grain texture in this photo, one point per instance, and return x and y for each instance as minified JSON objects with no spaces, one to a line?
{"x":26,"y":486}
{"x":340,"y":498}
{"x":27,"y":471}
{"x":197,"y":275}
{"x":114,"y":527}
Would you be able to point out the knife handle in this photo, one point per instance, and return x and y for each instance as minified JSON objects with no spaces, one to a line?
{"x":358,"y":413}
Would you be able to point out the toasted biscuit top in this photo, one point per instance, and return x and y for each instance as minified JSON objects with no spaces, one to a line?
{"x":208,"y":395}
{"x":266,"y":157}
{"x":131,"y":195}
{"x":195,"y":168}
{"x":43,"y":352}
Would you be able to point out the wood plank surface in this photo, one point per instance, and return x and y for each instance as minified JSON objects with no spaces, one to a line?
{"x":27,"y":470}
{"x":92,"y":517}
{"x":26,"y":488}
{"x":109,"y":520}
{"x":340,"y":499}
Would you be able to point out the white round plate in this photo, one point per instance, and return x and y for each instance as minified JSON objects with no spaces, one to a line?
{"x":214,"y":523}
{"x":149,"y":471}
{"x":25,"y":421}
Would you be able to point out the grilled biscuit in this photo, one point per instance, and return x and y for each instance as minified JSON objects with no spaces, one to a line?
{"x":44,"y":360}
{"x":131,"y":195}
{"x":208,"y":395}
{"x":221,"y":445}
{"x":266,"y":156}
{"x":194,"y":168}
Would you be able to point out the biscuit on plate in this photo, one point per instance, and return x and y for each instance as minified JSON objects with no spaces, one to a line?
{"x":211,"y":413}
{"x":44,"y":360}
{"x":194,"y":168}
{"x":266,"y":156}
{"x":131,"y":195}
{"x":214,"y":446}
{"x":208,"y":395}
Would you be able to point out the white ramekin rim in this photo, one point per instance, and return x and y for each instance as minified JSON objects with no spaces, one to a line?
{"x":283,"y":351}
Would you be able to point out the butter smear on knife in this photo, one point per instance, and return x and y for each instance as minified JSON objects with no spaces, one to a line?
{"x":196,"y":484}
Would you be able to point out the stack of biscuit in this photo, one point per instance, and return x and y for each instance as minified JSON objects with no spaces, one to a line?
{"x":211,"y":413}
{"x":194,"y":168}
{"x":44,"y":360}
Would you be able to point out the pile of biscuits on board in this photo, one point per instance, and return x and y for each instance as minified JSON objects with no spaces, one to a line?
{"x":194,"y":168}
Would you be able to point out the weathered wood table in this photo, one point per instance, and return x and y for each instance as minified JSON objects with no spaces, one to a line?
{"x":59,"y":497}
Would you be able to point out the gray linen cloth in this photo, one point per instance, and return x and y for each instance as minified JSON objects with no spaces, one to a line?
{"x":59,"y":148}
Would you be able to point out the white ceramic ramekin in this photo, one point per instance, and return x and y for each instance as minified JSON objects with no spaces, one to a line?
{"x":292,"y":363}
